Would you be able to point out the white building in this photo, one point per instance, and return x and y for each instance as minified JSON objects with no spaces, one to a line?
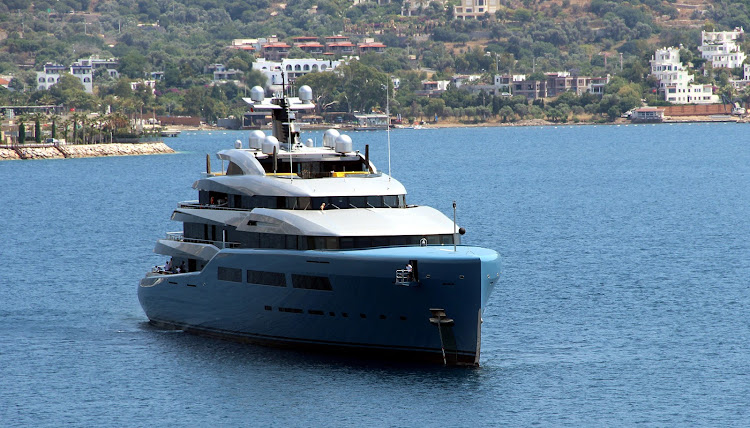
{"x":85,"y":73}
{"x":291,"y":68}
{"x":51,"y":75}
{"x":83,"y":69}
{"x":474,"y":8}
{"x":720,"y":48}
{"x":504,"y":83}
{"x":675,"y":81}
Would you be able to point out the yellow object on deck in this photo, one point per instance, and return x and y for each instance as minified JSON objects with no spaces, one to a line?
{"x":282,"y":174}
{"x":340,"y":174}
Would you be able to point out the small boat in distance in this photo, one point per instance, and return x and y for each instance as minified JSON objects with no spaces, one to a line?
{"x":309,"y":247}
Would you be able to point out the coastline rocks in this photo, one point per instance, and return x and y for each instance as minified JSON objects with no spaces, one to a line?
{"x":83,"y":151}
{"x":38,"y":153}
{"x":116,"y":149}
{"x":8,"y":154}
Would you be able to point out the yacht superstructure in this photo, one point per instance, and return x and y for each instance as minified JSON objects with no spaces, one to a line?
{"x":313,"y":247}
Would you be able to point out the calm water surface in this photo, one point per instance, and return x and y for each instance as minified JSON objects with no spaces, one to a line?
{"x":623,"y":299}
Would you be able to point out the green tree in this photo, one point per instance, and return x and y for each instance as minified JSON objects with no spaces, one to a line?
{"x":132,"y":65}
{"x":21,"y":132}
{"x":506,"y":112}
{"x":37,"y":130}
{"x":434,"y":107}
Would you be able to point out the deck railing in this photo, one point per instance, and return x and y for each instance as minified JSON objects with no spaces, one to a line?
{"x":404,"y":277}
{"x":180,"y":237}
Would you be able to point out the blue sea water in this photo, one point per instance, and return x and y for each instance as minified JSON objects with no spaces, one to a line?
{"x":623,"y":298}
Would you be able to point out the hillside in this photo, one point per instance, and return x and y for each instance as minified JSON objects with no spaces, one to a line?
{"x":182,"y":38}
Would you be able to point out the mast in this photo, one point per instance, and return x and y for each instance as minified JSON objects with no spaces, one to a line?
{"x":388,"y":125}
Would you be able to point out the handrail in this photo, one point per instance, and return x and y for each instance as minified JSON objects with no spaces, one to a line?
{"x":404,"y":277}
{"x":180,"y":237}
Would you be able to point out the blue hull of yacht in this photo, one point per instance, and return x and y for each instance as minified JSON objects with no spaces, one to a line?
{"x":360,"y":308}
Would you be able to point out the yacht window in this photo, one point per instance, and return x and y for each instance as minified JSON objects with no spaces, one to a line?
{"x":250,"y":239}
{"x":302,"y":243}
{"x":266,"y":202}
{"x":248,"y":202}
{"x":291,"y":203}
{"x":346,"y":243}
{"x":358,"y":201}
{"x":391,"y":201}
{"x":310,"y":282}
{"x":272,"y":240}
{"x":303,"y":203}
{"x":340,"y":202}
{"x":275,"y":279}
{"x":230,"y":274}
{"x":399,"y":240}
{"x":203,"y":197}
{"x":375,"y":202}
{"x":318,"y":202}
{"x":362,"y":242}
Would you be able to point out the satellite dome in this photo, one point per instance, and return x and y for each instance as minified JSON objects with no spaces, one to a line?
{"x":329,"y":138}
{"x":343,"y":144}
{"x":305,"y":93}
{"x":257,"y":94}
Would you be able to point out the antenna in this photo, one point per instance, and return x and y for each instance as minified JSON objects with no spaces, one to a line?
{"x":454,"y":226}
{"x":289,"y":128}
{"x":388,"y":126}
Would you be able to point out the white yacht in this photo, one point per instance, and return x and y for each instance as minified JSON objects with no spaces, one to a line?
{"x":314,"y":247}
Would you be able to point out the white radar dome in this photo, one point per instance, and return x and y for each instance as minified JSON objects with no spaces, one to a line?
{"x":238,"y":144}
{"x":305,"y":93}
{"x":329,"y":138}
{"x":269,"y":143}
{"x":257,"y":94}
{"x":309,"y":142}
{"x":256,"y":139}
{"x":343,"y":144}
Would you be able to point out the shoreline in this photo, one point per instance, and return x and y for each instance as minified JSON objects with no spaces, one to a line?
{"x":65,"y":151}
{"x":497,"y":124}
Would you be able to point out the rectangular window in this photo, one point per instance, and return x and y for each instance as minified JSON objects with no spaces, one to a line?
{"x":291,"y":242}
{"x":303,"y":203}
{"x":375,"y":202}
{"x":391,"y":201}
{"x":230,"y":274}
{"x":276,"y":279}
{"x":340,"y":201}
{"x":310,"y":282}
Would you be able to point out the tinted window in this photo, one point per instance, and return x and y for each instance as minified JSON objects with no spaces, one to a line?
{"x":310,"y":282}
{"x":391,"y":201}
{"x":230,"y":274}
{"x":375,"y":202}
{"x":275,"y":279}
{"x":358,"y":201}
